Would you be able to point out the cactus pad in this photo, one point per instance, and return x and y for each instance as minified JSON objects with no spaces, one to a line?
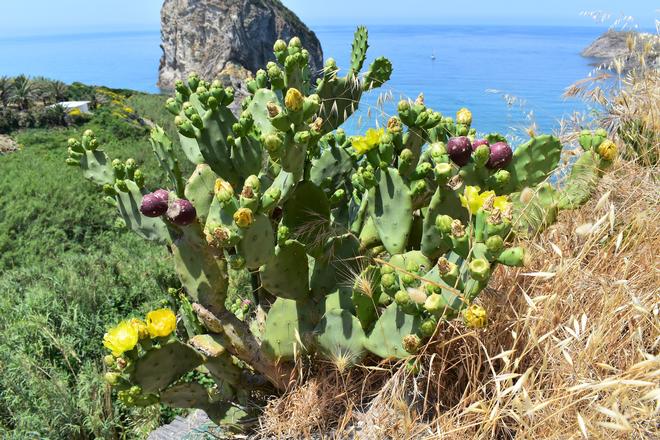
{"x":160,"y":367}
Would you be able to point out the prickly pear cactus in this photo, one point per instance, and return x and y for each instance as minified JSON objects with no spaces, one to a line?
{"x":354,"y":245}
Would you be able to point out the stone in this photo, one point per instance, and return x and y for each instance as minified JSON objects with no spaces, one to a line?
{"x":227,"y":39}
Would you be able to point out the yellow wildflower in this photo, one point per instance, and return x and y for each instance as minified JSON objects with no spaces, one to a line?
{"x":473,"y":199}
{"x":161,"y":322}
{"x":475,"y":316}
{"x":371,"y":139}
{"x":464,"y":116}
{"x":121,"y":338}
{"x":243,"y":218}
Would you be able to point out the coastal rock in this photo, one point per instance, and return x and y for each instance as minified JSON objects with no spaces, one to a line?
{"x":229,"y":39}
{"x":621,"y":45}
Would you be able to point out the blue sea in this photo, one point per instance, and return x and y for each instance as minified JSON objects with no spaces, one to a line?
{"x":509,"y":76}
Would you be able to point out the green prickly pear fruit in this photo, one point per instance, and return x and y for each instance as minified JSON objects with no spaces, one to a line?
{"x":479,"y":269}
{"x":295,"y":42}
{"x":121,"y":185}
{"x":432,"y":289}
{"x":131,"y":166}
{"x":224,"y":192}
{"x":481,"y":155}
{"x":428,"y":326}
{"x":494,"y":244}
{"x":386,"y":268}
{"x":112,"y":378}
{"x":184,"y":126}
{"x":118,"y":169}
{"x":283,"y":234}
{"x":475,"y":316}
{"x":514,"y":256}
{"x":253,"y":182}
{"x":138,"y":178}
{"x":294,"y":100}
{"x":109,"y":360}
{"x":448,"y":271}
{"x":271,"y":198}
{"x":443,"y":172}
{"x":388,"y":281}
{"x":402,"y":298}
{"x":243,"y":218}
{"x":501,"y":178}
{"x":172,"y":106}
{"x":406,"y":156}
{"x":435,"y":304}
{"x":419,"y":187}
{"x":337,"y":196}
{"x":193,"y":80}
{"x":109,"y":190}
{"x":279,"y":46}
{"x":599,"y":136}
{"x":411,"y":343}
{"x":586,"y":140}
{"x":302,"y":137}
{"x":408,"y":280}
{"x":443,"y":223}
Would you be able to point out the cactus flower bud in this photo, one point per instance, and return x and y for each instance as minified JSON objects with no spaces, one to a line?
{"x":402,"y":298}
{"x":224,"y":192}
{"x":464,"y":116}
{"x":272,"y":142}
{"x":500,"y":156}
{"x":475,"y":316}
{"x":438,"y":149}
{"x":294,"y":100}
{"x":109,"y":360}
{"x":394,"y":125}
{"x":388,"y":280}
{"x":459,"y":150}
{"x":181,"y":212}
{"x":411,"y":343}
{"x":428,"y":326}
{"x":481,"y":155}
{"x":502,"y":177}
{"x":112,"y":378}
{"x":295,"y":42}
{"x":608,"y":150}
{"x":406,"y":155}
{"x":443,"y":223}
{"x":243,"y":218}
{"x":494,"y":244}
{"x":479,"y":269}
{"x":253,"y":182}
{"x":279,"y":46}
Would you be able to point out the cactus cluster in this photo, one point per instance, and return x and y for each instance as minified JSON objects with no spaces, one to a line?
{"x":355,"y":245}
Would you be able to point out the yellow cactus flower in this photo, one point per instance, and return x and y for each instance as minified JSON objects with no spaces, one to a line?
{"x":161,"y":323}
{"x":371,"y":139}
{"x":473,"y":199}
{"x":475,"y":316}
{"x":141,"y":328}
{"x":608,"y":150}
{"x":243,"y":218}
{"x":294,"y":100}
{"x":464,"y":116}
{"x":122,"y":338}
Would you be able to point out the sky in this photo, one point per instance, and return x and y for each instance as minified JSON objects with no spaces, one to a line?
{"x":41,"y":17}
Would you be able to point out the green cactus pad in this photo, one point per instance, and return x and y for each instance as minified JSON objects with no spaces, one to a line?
{"x":307,"y":215}
{"x":258,"y":243}
{"x":444,"y":202}
{"x":96,"y":167}
{"x":212,"y":141}
{"x":246,"y":156}
{"x":218,"y":361}
{"x":128,"y":203}
{"x":199,"y":190}
{"x":340,"y":337}
{"x":257,"y":108}
{"x":390,"y":207}
{"x":289,"y":327}
{"x":581,"y":182}
{"x":162,"y":147}
{"x":161,"y":366}
{"x":385,"y":340}
{"x":337,"y":261}
{"x":185,"y":395}
{"x":202,"y":273}
{"x":287,"y":274}
{"x":537,"y":213}
{"x":359,"y":49}
{"x":533,"y":162}
{"x":332,"y":168}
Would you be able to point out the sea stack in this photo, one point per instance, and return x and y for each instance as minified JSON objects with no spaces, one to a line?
{"x":227,"y":39}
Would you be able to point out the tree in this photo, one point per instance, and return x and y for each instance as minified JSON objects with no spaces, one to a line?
{"x":24,"y":92}
{"x":6,"y":89}
{"x":59,"y":91}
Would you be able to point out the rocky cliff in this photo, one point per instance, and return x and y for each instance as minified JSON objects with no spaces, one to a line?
{"x":620,"y":45}
{"x":226,"y":38}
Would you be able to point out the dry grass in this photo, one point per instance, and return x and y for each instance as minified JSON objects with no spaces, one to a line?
{"x":572,"y":350}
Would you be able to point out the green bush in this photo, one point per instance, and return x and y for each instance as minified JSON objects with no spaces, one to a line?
{"x":66,"y":274}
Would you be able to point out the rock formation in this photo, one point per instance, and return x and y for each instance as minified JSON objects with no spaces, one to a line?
{"x":229,"y":39}
{"x":618,"y":44}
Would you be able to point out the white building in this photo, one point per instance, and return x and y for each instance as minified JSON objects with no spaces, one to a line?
{"x":83,"y":106}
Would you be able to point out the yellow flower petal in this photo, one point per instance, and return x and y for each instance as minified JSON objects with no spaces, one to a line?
{"x":161,"y":323}
{"x":122,"y":338}
{"x":501,"y":203}
{"x":471,"y":199}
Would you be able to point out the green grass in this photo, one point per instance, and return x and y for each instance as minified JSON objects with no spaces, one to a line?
{"x":66,"y":275}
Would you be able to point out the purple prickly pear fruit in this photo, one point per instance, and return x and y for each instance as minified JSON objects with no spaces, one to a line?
{"x":500,"y":156}
{"x":459,"y":150}
{"x":477,"y":142}
{"x":181,"y":212}
{"x":154,"y":204}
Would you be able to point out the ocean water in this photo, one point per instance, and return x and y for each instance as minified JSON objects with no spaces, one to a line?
{"x":508,"y":76}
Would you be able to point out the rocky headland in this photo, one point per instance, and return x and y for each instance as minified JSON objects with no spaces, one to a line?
{"x":226,"y":39}
{"x":625,"y":46}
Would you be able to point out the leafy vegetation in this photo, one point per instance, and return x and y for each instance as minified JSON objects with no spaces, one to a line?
{"x":65,"y":273}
